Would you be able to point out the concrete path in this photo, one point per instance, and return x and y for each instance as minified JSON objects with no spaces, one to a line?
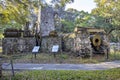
{"x":30,"y":66}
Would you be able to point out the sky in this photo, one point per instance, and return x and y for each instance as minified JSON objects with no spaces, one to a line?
{"x":86,"y":5}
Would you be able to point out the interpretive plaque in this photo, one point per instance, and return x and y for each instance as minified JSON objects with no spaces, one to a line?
{"x":35,"y":49}
{"x":55,"y":48}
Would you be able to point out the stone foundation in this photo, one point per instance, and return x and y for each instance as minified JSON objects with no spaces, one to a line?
{"x":17,"y":45}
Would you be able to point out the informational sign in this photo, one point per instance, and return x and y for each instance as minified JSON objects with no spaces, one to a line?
{"x":35,"y":49}
{"x":55,"y":48}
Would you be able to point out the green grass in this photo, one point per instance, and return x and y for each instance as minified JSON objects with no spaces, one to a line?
{"x":112,"y":74}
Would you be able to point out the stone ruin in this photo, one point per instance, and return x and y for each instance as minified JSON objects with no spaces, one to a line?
{"x":77,"y":43}
{"x":17,"y":41}
{"x":18,"y":45}
{"x":47,"y":21}
{"x":48,"y":30}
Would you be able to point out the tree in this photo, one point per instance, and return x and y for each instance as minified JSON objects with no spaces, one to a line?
{"x":84,"y":19}
{"x":61,"y":2}
{"x":67,"y":26}
{"x":107,"y":14}
{"x":59,"y":5}
{"x":15,"y":13}
{"x":109,"y":10}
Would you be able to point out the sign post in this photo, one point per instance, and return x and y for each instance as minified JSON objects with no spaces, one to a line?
{"x":11,"y":62}
{"x":35,"y":50}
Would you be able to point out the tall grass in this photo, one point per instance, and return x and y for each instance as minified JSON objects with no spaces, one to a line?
{"x":115,"y":55}
{"x":63,"y":58}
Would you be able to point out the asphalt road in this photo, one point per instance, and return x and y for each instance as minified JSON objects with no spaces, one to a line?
{"x":30,"y":66}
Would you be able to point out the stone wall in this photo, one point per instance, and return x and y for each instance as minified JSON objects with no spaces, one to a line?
{"x":48,"y":42}
{"x":83,"y":44}
{"x":68,"y":42}
{"x":78,"y":43}
{"x":47,"y":21}
{"x":18,"y":45}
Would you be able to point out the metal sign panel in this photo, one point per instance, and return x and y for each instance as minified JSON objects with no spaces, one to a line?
{"x":55,"y":48}
{"x":35,"y":49}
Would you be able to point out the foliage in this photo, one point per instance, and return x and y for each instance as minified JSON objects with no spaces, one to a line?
{"x":115,"y":37}
{"x":77,"y":18}
{"x":61,"y":3}
{"x":72,"y":10}
{"x":107,"y":15}
{"x":1,"y":36}
{"x":68,"y":26}
{"x":112,"y":74}
{"x":15,"y":13}
{"x":84,"y":19}
{"x":109,"y":10}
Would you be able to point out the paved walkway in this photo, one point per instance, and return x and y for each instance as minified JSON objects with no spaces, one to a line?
{"x":30,"y":66}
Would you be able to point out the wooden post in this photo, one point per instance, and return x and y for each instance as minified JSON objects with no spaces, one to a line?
{"x":11,"y":62}
{"x":35,"y":54}
{"x":54,"y":54}
{"x":107,"y":54}
{"x":91,"y":54}
{"x":0,"y":70}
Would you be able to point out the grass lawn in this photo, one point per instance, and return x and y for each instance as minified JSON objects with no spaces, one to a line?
{"x":112,"y":74}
